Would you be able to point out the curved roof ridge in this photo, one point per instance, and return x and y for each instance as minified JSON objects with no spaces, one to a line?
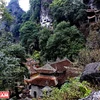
{"x":46,"y":67}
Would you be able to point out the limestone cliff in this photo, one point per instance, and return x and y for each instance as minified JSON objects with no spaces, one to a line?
{"x":45,"y":18}
{"x":16,"y":13}
{"x":15,"y":10}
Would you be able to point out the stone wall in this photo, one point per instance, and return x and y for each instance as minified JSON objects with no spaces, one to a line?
{"x":36,"y":91}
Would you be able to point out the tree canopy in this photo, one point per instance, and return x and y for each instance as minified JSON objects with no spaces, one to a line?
{"x":68,"y":10}
{"x":11,"y":57}
{"x":28,"y":35}
{"x":35,"y":8}
{"x":66,"y":41}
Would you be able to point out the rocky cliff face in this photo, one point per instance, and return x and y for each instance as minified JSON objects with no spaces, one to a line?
{"x":94,"y":4}
{"x":15,"y":10}
{"x":45,"y":18}
{"x":16,"y":13}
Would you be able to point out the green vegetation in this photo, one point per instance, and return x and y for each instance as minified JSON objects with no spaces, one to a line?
{"x":44,"y":35}
{"x":71,"y":90}
{"x":35,"y":10}
{"x":87,"y":56}
{"x":92,"y":51}
{"x":36,"y":55}
{"x":63,"y":39}
{"x":69,"y":11}
{"x":29,"y":36}
{"x":2,"y":5}
{"x":11,"y":57}
{"x":5,"y":15}
{"x":65,"y":42}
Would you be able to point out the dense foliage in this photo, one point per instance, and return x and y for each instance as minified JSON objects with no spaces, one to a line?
{"x":29,"y":36}
{"x":62,"y":39}
{"x":11,"y":56}
{"x":66,"y":41}
{"x":69,"y":10}
{"x":35,"y":10}
{"x":92,"y":51}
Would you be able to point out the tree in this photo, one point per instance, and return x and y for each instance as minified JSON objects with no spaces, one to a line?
{"x":26,"y":16}
{"x":68,"y":10}
{"x":93,"y":39}
{"x":87,"y":56}
{"x":17,"y":51}
{"x":66,"y":41}
{"x":28,"y":36}
{"x":44,"y":35}
{"x":6,"y":18}
{"x":5,"y":39}
{"x":2,"y":6}
{"x":11,"y":68}
{"x":57,"y":10}
{"x":15,"y":30}
{"x":35,"y":6}
{"x":5,"y":15}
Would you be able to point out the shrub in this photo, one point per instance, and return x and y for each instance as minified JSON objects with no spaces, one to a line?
{"x":71,"y":90}
{"x":87,"y":56}
{"x":36,"y":55}
{"x":75,"y":90}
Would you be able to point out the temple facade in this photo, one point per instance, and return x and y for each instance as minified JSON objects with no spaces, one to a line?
{"x":52,"y":74}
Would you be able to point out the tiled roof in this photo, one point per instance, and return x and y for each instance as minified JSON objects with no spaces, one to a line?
{"x":59,"y":65}
{"x":91,"y":17}
{"x":42,"y":80}
{"x":30,"y":65}
{"x":97,"y":11}
{"x":90,"y":10}
{"x":47,"y":68}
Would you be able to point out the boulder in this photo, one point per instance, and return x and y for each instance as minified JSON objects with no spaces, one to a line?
{"x":91,"y":73}
{"x":93,"y":96}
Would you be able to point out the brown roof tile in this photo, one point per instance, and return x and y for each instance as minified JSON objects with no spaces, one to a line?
{"x":59,"y":65}
{"x":42,"y":80}
{"x":30,"y":65}
{"x":47,"y":68}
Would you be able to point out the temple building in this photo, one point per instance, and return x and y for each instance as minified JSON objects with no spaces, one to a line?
{"x":93,"y":15}
{"x":50,"y":75}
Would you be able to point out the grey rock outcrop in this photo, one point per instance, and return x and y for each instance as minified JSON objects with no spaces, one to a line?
{"x":91,"y":73}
